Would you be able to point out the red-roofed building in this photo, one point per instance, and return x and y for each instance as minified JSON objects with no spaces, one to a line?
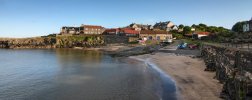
{"x":129,"y":32}
{"x":114,"y":31}
{"x":201,"y":34}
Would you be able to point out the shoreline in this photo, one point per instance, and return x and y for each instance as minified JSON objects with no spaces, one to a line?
{"x":191,"y":81}
{"x":162,"y":74}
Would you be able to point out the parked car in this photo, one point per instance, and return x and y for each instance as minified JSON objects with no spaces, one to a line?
{"x":193,"y":46}
{"x":182,"y":46}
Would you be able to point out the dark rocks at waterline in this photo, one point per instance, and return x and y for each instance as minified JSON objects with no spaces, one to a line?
{"x":233,"y":69}
{"x":62,"y":41}
{"x":53,"y":42}
{"x":37,"y":42}
{"x":4,"y":44}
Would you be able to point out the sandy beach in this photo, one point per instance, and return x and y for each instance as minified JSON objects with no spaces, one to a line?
{"x":193,"y":83}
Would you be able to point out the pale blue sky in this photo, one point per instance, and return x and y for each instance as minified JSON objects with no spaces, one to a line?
{"x":27,"y":18}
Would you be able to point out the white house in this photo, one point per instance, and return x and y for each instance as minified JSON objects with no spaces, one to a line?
{"x":193,"y":29}
{"x":201,"y":34}
{"x":247,"y":27}
{"x":175,"y":27}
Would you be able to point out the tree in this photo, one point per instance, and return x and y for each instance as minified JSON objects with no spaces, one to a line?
{"x":238,"y":27}
{"x":211,"y":29}
{"x":202,"y":25}
{"x":194,"y":26}
{"x":181,"y":26}
{"x":187,"y":30}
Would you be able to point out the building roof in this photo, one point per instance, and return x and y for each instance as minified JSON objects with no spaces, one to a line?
{"x":91,"y":26}
{"x":250,"y":21}
{"x":162,"y":23}
{"x":154,"y":32}
{"x":129,"y":31}
{"x":111,"y":30}
{"x":69,"y":27}
{"x":203,"y":33}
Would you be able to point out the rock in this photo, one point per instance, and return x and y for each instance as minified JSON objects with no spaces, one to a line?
{"x":36,"y":42}
{"x":233,"y":68}
{"x":139,"y":50}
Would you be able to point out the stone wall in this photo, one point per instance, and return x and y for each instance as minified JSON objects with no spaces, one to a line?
{"x":233,"y":68}
{"x":111,"y":39}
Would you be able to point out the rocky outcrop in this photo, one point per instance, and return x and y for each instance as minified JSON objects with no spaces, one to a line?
{"x":36,"y":42}
{"x":233,"y":68}
{"x":79,"y":41}
{"x":53,"y":42}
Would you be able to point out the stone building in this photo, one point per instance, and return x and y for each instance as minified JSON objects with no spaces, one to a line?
{"x":139,"y":27}
{"x":155,"y":35}
{"x":91,"y":29}
{"x":167,"y":26}
{"x":83,"y":29}
{"x":70,"y":30}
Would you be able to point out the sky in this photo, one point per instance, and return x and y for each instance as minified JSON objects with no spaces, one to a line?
{"x":28,"y":18}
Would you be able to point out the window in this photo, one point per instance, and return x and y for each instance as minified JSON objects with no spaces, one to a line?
{"x":150,"y":37}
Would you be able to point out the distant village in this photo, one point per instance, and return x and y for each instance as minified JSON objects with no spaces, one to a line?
{"x":159,"y":31}
{"x":162,"y":31}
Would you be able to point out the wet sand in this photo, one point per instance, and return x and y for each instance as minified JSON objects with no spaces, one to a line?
{"x":108,"y":48}
{"x":193,"y":83}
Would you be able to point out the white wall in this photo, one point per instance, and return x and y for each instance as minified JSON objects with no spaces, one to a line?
{"x":245,"y":27}
{"x":200,"y":35}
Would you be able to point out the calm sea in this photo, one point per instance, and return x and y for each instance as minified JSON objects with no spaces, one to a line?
{"x":67,"y":74}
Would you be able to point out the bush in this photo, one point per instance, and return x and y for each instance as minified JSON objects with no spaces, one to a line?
{"x":151,"y":42}
{"x":133,"y":42}
{"x":178,"y":36}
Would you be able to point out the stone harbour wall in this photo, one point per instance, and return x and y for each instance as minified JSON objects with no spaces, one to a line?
{"x":233,"y":68}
